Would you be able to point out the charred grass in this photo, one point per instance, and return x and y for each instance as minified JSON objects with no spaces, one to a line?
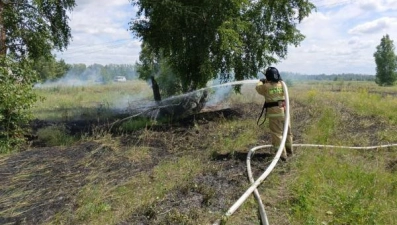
{"x":192,"y":170}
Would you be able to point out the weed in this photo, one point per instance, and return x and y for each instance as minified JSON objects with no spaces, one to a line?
{"x":176,"y":217}
{"x":311,"y":96}
{"x":90,"y":203}
{"x":135,"y":124}
{"x":207,"y":192}
{"x":56,"y":135}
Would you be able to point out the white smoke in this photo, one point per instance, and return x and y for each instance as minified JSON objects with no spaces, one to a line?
{"x":71,"y":79}
{"x":219,"y":93}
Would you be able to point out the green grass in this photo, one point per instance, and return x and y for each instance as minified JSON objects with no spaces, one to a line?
{"x":56,"y":135}
{"x":329,"y":186}
{"x":342,"y":186}
{"x":63,"y":103}
{"x":234,"y":139}
{"x":318,"y":186}
{"x":342,"y":189}
{"x":140,"y":191}
{"x":136,"y":124}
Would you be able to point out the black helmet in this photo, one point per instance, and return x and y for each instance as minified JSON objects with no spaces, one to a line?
{"x":272,"y":74}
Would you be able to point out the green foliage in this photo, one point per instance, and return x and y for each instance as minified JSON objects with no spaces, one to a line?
{"x":34,"y":28}
{"x":128,"y":71}
{"x":202,"y":39}
{"x":16,"y":98}
{"x":78,"y":68}
{"x":386,"y":62}
{"x":149,"y":63}
{"x":157,"y":66}
{"x":48,"y":68}
{"x":169,"y":84}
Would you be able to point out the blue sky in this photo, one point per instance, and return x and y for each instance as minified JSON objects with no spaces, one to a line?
{"x":341,"y":35}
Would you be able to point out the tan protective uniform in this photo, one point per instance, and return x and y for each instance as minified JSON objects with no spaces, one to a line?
{"x":274,"y":92}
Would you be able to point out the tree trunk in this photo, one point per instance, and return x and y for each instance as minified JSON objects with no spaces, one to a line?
{"x":156,"y":89}
{"x":3,"y":48}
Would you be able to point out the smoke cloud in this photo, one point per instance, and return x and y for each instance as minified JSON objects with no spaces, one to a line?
{"x":73,"y":79}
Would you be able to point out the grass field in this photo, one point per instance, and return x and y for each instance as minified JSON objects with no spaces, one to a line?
{"x":192,"y":170}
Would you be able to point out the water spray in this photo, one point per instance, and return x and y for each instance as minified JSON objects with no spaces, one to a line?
{"x":188,"y":103}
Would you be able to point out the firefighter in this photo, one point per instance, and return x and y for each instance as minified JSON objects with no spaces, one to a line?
{"x":272,"y":89}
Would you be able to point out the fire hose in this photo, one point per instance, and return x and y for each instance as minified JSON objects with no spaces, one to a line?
{"x":256,"y":183}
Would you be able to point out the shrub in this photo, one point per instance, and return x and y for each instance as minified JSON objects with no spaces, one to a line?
{"x":16,"y":98}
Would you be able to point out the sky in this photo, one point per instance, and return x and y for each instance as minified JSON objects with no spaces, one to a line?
{"x":341,"y":35}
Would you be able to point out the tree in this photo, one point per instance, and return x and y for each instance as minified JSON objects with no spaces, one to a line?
{"x":152,"y":66}
{"x":232,"y":38}
{"x":34,"y":28}
{"x":29,"y":30}
{"x":49,"y":68}
{"x":386,"y":62}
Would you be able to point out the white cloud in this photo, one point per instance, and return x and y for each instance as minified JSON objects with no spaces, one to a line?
{"x":311,"y":26}
{"x":358,"y":44}
{"x":370,"y":5}
{"x":387,"y":5}
{"x":314,"y":49}
{"x":99,"y":4}
{"x":376,"y":26}
{"x":328,"y":3}
{"x":341,"y":36}
{"x":100,"y":33}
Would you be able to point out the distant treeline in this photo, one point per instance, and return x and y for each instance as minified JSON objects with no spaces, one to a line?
{"x":53,"y":70}
{"x":50,"y":71}
{"x":333,"y":77}
{"x":102,"y":73}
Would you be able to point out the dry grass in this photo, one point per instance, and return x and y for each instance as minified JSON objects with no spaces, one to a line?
{"x":192,"y":171}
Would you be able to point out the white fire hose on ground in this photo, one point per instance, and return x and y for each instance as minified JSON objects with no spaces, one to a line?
{"x":256,"y":183}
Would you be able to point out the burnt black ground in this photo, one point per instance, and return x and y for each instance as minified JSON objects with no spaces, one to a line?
{"x":41,"y":181}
